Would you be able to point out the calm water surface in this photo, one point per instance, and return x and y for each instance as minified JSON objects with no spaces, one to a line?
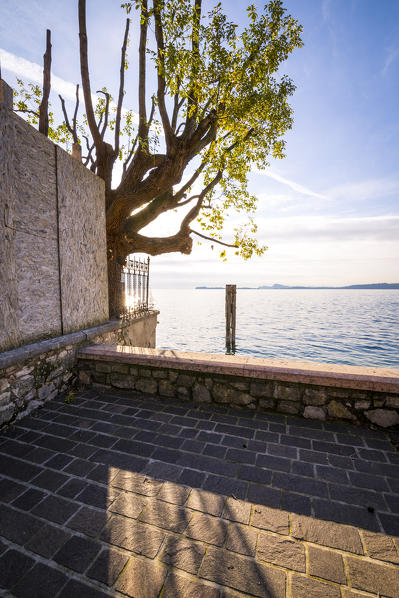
{"x":355,"y":327}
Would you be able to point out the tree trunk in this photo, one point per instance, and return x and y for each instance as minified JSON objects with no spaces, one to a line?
{"x":115,"y":290}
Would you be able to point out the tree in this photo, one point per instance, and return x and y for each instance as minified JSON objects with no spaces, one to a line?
{"x":219,"y":106}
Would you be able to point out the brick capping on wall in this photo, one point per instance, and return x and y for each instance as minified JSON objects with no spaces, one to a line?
{"x":36,"y":373}
{"x":314,"y":390}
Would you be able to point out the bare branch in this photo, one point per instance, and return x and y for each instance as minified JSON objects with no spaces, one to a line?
{"x":106,"y":113}
{"x":158,"y":6}
{"x":213,"y":239}
{"x":121,"y":88}
{"x":75,"y":114}
{"x":43,"y":108}
{"x":84,"y":69}
{"x":66,"y":119}
{"x":28,"y":111}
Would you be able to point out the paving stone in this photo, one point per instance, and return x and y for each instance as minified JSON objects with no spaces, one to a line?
{"x":173,"y":493}
{"x":108,"y":566}
{"x":40,"y":582}
{"x":133,"y":536}
{"x":207,"y":529}
{"x":163,"y":471}
{"x":306,"y":469}
{"x":88,"y":521}
{"x":98,"y":496}
{"x":332,"y":474}
{"x":226,"y":486}
{"x":381,"y":547}
{"x":243,"y":574}
{"x":255,"y":474}
{"x":264,"y":495}
{"x":129,"y":504}
{"x":374,"y":577}
{"x":295,"y":441}
{"x":40,"y":455}
{"x":50,"y":480}
{"x":78,"y":589}
{"x":348,"y":593}
{"x":16,"y":526}
{"x":166,"y":515}
{"x":142,"y":579}
{"x":297,"y":503}
{"x":48,"y":540}
{"x":241,"y":539}
{"x":365,"y":480}
{"x":326,"y":564}
{"x":59,"y":461}
{"x":55,"y":509}
{"x":181,"y":587}
{"x":183,"y":554}
{"x":207,"y":502}
{"x":77,"y":553}
{"x":281,"y":551}
{"x":356,"y":496}
{"x":270,"y":462}
{"x":192,"y":478}
{"x":237,"y":510}
{"x":72,"y":488}
{"x":13,"y":565}
{"x":326,"y":533}
{"x":214,"y":450}
{"x":270,"y":519}
{"x":304,"y":587}
{"x":9,"y":490}
{"x":347,"y":514}
{"x":29,"y":499}
{"x":18,"y":469}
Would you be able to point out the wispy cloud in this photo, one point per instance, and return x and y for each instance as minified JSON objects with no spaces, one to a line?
{"x":292,"y":184}
{"x":365,"y":190}
{"x":391,"y":56}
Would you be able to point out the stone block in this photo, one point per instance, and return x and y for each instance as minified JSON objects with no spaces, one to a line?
{"x":183,"y":554}
{"x":183,"y":393}
{"x":147,"y":385}
{"x":103,"y":367}
{"x":242,"y":386}
{"x":166,"y":388}
{"x":22,"y":386}
{"x":145,"y":372}
{"x":6,"y":413}
{"x":267,"y":403}
{"x":207,"y":529}
{"x":326,"y":564}
{"x":4,"y":385}
{"x":315,"y":396}
{"x":159,"y":374}
{"x":376,"y":578}
{"x":133,"y":371}
{"x":122,"y":381}
{"x":288,"y":407}
{"x":223,"y":394}
{"x":237,"y":510}
{"x":185,"y":380}
{"x":5,"y":398}
{"x":241,"y":539}
{"x":392,"y":401}
{"x":381,"y":547}
{"x":84,"y":377}
{"x":243,"y":399}
{"x":281,"y":551}
{"x":304,"y":587}
{"x":173,"y":375}
{"x":338,"y":410}
{"x":272,"y":520}
{"x":262,"y":389}
{"x":120,"y":368}
{"x":201,"y":393}
{"x":47,"y":391}
{"x":286,"y":393}
{"x":314,"y":413}
{"x":326,"y":533}
{"x":383,"y":417}
{"x":362,"y":404}
{"x":142,"y":579}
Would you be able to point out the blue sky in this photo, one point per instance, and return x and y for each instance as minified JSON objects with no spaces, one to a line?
{"x":329,"y":212}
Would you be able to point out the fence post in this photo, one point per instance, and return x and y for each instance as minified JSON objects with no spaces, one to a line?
{"x":230,"y":309}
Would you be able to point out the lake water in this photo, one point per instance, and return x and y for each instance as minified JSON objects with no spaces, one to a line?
{"x":355,"y":327}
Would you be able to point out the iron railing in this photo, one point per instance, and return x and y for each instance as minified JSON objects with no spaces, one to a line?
{"x":135,"y":281}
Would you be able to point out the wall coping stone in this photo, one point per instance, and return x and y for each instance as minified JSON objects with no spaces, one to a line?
{"x":305,"y":372}
{"x":20,"y":354}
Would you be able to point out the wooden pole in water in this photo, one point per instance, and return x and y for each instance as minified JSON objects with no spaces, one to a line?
{"x":230,"y":309}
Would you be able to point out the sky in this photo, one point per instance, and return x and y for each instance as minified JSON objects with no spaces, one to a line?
{"x":328,"y":212}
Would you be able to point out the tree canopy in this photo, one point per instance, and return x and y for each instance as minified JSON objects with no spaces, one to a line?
{"x":219,"y":109}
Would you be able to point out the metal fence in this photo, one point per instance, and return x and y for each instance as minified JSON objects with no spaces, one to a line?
{"x":135,"y":281}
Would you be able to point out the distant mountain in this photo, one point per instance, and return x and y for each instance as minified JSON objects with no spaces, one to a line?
{"x":376,"y":286}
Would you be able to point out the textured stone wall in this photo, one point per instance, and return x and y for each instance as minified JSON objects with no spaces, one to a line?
{"x":52,"y":237}
{"x":310,"y":401}
{"x":34,"y":374}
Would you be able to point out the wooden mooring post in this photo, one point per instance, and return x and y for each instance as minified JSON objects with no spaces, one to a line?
{"x":231,"y":292}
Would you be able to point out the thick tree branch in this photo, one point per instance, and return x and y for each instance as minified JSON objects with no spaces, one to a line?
{"x":121,"y":89}
{"x":105,"y":113}
{"x":143,"y":125}
{"x":43,"y":108}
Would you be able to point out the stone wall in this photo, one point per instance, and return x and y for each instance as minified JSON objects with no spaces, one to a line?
{"x":317,"y":391}
{"x":52,"y":237}
{"x":36,"y":373}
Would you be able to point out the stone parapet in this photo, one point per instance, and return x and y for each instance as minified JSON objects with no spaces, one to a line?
{"x":34,"y":374}
{"x":313,"y":390}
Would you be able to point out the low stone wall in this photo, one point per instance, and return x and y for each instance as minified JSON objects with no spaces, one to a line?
{"x":36,"y":373}
{"x":313,"y":390}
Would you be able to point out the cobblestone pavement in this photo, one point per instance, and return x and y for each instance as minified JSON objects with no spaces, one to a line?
{"x":119,"y":495}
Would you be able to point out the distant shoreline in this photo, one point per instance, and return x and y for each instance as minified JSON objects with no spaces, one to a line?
{"x":382,"y":286}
